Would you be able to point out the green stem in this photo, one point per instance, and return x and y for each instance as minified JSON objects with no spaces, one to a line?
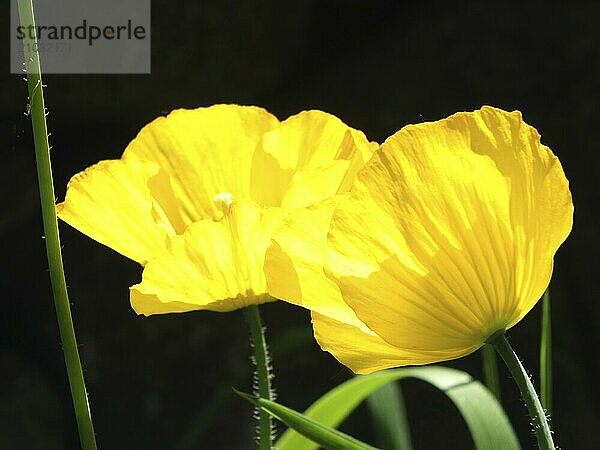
{"x":263,"y":374}
{"x":490,"y":370}
{"x":536,"y":412}
{"x":53,"y":252}
{"x":546,"y":354}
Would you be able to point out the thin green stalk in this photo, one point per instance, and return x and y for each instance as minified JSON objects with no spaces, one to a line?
{"x":536,"y":412}
{"x":57,"y":276}
{"x":546,"y":354}
{"x":263,"y":375}
{"x":490,"y":371}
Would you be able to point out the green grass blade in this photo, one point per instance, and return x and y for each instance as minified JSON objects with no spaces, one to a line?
{"x":546,"y":355}
{"x":485,"y":418}
{"x":388,"y":412}
{"x":322,"y":435}
{"x":490,"y":370}
{"x":52,"y":239}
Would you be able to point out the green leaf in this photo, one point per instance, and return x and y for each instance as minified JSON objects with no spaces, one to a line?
{"x":322,"y":435}
{"x":390,"y":423}
{"x":487,"y":422}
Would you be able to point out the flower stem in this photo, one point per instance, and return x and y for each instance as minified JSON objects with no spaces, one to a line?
{"x":546,"y":354}
{"x":53,"y":252}
{"x":263,"y":374}
{"x":490,"y":370}
{"x":536,"y":412}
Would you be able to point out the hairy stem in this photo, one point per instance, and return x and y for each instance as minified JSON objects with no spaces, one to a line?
{"x":263,"y":374}
{"x":536,"y":412}
{"x":53,"y":251}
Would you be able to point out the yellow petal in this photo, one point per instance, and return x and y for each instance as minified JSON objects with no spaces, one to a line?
{"x":311,"y":156}
{"x":450,"y":231}
{"x":167,"y":178}
{"x":204,"y":152}
{"x":214,"y":265}
{"x":294,"y":272}
{"x":363,"y":351}
{"x":294,"y":263}
{"x":117,"y":204}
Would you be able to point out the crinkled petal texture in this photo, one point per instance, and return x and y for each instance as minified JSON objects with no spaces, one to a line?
{"x":162,"y":204}
{"x":448,"y":235}
{"x":113,"y":203}
{"x":167,"y":178}
{"x":310,"y":157}
{"x":214,"y":265}
{"x":204,"y":151}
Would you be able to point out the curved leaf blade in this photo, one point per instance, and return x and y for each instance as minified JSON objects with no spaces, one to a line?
{"x":388,"y":413}
{"x":485,"y":418}
{"x":319,"y":434}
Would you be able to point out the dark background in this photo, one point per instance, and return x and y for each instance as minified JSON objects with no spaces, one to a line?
{"x":163,"y":382}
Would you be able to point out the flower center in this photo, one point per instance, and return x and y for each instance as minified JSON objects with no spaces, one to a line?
{"x":223,"y":200}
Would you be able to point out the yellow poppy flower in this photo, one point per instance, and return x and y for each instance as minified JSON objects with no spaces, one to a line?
{"x":447,"y":236}
{"x":197,"y":194}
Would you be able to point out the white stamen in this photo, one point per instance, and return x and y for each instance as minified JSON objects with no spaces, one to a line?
{"x":223,"y":200}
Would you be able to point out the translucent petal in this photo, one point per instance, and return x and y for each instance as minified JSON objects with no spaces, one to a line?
{"x":294,"y":263}
{"x":117,"y":203}
{"x":214,"y":265}
{"x":294,"y":271}
{"x":311,"y":156}
{"x":167,"y":178}
{"x":204,"y":152}
{"x":450,"y":231}
{"x":363,"y":351}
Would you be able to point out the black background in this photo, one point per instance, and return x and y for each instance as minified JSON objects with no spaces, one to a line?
{"x":163,"y":382}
